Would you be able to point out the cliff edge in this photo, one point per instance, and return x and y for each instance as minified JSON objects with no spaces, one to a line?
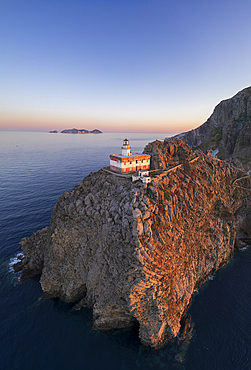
{"x":137,"y":253}
{"x":227,"y":132}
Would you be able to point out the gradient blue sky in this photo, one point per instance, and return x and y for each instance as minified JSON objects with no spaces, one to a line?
{"x":132,"y":65}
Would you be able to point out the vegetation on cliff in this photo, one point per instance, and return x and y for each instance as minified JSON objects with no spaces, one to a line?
{"x":135,"y":252}
{"x":227,"y":132}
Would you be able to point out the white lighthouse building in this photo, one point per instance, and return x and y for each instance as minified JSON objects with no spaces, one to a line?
{"x":129,"y":162}
{"x":126,"y":149}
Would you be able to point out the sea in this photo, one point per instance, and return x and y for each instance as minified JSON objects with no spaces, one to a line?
{"x":35,"y":169}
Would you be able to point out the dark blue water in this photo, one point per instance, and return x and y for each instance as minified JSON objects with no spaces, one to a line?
{"x":35,"y":168}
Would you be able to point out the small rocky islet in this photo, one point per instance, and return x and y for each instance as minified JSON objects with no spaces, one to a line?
{"x":77,"y":131}
{"x":135,"y":252}
{"x":81,"y":131}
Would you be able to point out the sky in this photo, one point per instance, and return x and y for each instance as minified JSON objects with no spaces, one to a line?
{"x":120,"y":66}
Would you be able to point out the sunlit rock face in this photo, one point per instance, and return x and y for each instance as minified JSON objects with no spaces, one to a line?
{"x":171,"y":152}
{"x":137,"y":252}
{"x":227,"y":132}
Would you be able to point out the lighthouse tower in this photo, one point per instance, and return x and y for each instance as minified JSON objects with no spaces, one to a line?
{"x":126,"y":149}
{"x":127,"y":161}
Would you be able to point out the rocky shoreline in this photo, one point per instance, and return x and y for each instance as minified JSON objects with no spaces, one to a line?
{"x":135,"y":252}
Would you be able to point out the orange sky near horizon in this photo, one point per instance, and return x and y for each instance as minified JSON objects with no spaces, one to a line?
{"x":24,"y":124}
{"x":33,"y":122}
{"x":120,"y":66}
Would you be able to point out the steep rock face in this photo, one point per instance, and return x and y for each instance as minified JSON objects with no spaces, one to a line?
{"x":227,"y":131}
{"x":169,"y":152}
{"x":134,"y":252}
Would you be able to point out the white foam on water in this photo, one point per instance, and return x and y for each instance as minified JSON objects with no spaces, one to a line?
{"x":15,"y":260}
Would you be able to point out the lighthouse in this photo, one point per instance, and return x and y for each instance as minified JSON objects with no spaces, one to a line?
{"x":126,"y":149}
{"x":128,"y":161}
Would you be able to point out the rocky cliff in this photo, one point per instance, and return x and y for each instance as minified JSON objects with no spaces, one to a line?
{"x":135,"y":252}
{"x":227,"y":131}
{"x":171,"y":152}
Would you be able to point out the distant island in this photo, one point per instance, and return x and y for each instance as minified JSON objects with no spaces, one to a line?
{"x":83,"y":131}
{"x":53,"y":132}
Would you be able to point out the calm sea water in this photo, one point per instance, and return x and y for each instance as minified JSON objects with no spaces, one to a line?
{"x":35,"y":168}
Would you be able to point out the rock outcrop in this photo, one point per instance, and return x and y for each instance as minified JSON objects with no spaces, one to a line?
{"x":227,"y":132}
{"x":135,"y":252}
{"x":168,"y":153}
